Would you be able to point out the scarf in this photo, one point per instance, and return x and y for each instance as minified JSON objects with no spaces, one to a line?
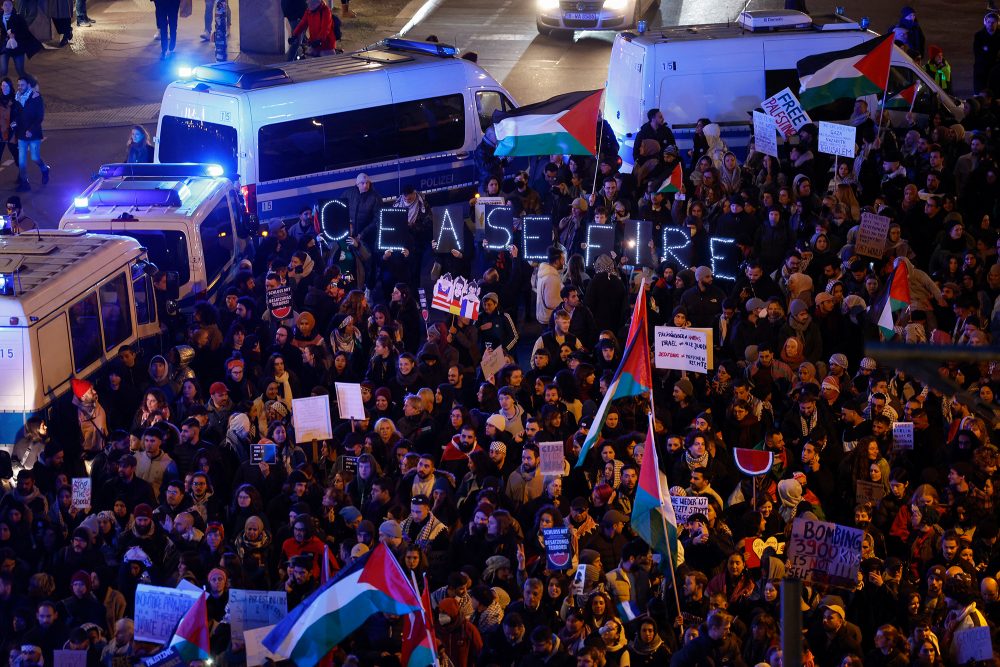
{"x":696,"y":462}
{"x":22,"y":98}
{"x":345,"y":342}
{"x":799,"y":327}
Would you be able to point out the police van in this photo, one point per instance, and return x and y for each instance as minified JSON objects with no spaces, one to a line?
{"x":405,"y":112}
{"x":192,"y":221}
{"x":68,"y":301}
{"x":723,"y":71}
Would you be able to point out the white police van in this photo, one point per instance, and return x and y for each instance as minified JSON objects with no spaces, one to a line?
{"x":68,"y":302}
{"x":405,"y":112}
{"x":191,"y":219}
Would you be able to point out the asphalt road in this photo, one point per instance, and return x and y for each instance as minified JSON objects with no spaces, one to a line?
{"x":531,"y":66}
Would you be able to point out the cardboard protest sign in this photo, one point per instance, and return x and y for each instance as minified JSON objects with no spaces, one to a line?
{"x":973,"y":644}
{"x":456,"y":296}
{"x":872,"y":234}
{"x":636,"y":236}
{"x":493,"y":360}
{"x":600,"y":241}
{"x":311,"y":418}
{"x":498,"y":227}
{"x":685,"y":506}
{"x":249,"y":610}
{"x":482,"y":209}
{"x":257,"y":653}
{"x":552,"y":458}
{"x":788,"y":114}
{"x":334,"y":220}
{"x":158,"y":610}
{"x":681,"y":349}
{"x":350,"y":403}
{"x":826,"y":553}
{"x":866,"y":491}
{"x":449,"y":222}
{"x":902,"y":435}
{"x":836,"y":139}
{"x":765,"y":138}
{"x":536,"y":237}
{"x":279,"y":302}
{"x":81,"y":492}
{"x":558,"y":551}
{"x":393,"y":230}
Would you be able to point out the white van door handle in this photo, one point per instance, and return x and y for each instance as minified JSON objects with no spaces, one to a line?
{"x":462,"y":156}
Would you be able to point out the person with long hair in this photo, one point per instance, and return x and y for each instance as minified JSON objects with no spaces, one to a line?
{"x":139,"y":149}
{"x":6,"y":116}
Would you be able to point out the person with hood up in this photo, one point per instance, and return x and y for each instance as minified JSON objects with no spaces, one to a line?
{"x":161,"y":377}
{"x":716,"y":146}
{"x":800,"y":325}
{"x":606,"y":296}
{"x":908,"y":33}
{"x":91,"y":416}
{"x":548,"y":285}
{"x":458,"y":638}
{"x":647,"y":649}
{"x":238,"y":436}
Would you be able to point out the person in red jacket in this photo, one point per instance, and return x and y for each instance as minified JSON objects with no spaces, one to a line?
{"x":318,"y":20}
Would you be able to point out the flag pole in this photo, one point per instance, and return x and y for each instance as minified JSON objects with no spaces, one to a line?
{"x":600,"y":141}
{"x":666,"y":532}
{"x":423,"y":615}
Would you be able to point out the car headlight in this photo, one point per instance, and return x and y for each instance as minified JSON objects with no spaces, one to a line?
{"x":615,"y":4}
{"x":548,"y":5}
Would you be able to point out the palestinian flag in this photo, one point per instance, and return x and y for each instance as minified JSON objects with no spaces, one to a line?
{"x":904,"y":98}
{"x":653,"y":515}
{"x":895,"y":299}
{"x":419,"y":644}
{"x":852,"y":73}
{"x":190,"y":639}
{"x":674,"y":181}
{"x":565,"y":124}
{"x":633,"y":377}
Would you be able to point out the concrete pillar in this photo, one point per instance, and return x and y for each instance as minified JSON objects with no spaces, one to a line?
{"x":262,"y":27}
{"x":36,"y":13}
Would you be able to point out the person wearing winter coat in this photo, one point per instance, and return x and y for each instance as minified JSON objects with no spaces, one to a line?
{"x":16,"y":40}
{"x":607,"y":295}
{"x":548,"y":285}
{"x":718,"y":646}
{"x":92,"y":417}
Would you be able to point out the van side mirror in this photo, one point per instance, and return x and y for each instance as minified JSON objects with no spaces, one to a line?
{"x":173,"y":285}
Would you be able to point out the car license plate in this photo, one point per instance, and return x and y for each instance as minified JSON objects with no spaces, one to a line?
{"x":574,"y":16}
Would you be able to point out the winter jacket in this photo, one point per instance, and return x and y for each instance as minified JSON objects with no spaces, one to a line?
{"x":548,"y":286}
{"x":319,"y":23}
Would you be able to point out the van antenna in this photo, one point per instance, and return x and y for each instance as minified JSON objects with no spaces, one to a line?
{"x":746,"y":6}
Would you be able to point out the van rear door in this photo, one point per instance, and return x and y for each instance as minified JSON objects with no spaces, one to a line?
{"x":199,"y":127}
{"x":625,"y":93}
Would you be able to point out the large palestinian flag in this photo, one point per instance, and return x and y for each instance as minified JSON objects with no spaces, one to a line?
{"x":855,"y":72}
{"x":565,"y":124}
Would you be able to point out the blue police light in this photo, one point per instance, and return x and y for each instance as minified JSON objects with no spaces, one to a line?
{"x":430,"y":48}
{"x":865,"y":22}
{"x":185,"y":71}
{"x":81,"y":203}
{"x":214,"y":170}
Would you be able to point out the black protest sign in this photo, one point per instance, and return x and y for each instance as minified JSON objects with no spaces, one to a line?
{"x":334,"y":220}
{"x":392,"y":229}
{"x":600,"y":241}
{"x":279,"y":302}
{"x":536,"y":237}
{"x":636,"y":235}
{"x":558,"y":551}
{"x":498,"y":224}
{"x":449,"y":222}
{"x":675,"y":245}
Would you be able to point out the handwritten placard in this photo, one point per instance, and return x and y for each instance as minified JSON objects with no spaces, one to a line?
{"x":902,"y":435}
{"x":682,"y":349}
{"x":311,"y":418}
{"x":787,"y":111}
{"x":765,"y":137}
{"x":493,"y":360}
{"x":249,"y":610}
{"x":685,"y":506}
{"x":81,"y":492}
{"x":836,"y":139}
{"x":973,"y":644}
{"x":158,"y":610}
{"x":824,"y":553}
{"x":872,"y":234}
{"x":866,"y":491}
{"x":257,"y":653}
{"x":350,"y":403}
{"x":552,"y":458}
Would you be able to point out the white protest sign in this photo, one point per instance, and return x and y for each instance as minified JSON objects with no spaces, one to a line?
{"x":682,"y":349}
{"x":81,"y":492}
{"x":827,"y":553}
{"x":552,"y":458}
{"x":493,"y":360}
{"x":481,"y":204}
{"x":257,"y":653}
{"x":902,"y":435}
{"x":788,"y":114}
{"x":249,"y":610}
{"x":579,"y":579}
{"x":158,"y":610}
{"x":765,"y":139}
{"x":186,"y":585}
{"x":311,"y":418}
{"x":836,"y":139}
{"x":350,"y":404}
{"x":872,"y":233}
{"x":67,"y":658}
{"x":973,"y":644}
{"x":685,"y":506}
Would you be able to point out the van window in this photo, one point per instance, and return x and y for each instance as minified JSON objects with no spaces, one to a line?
{"x":901,"y":78}
{"x":144,"y":302}
{"x":217,"y":240}
{"x":488,"y":101}
{"x":362,"y":136}
{"x":56,"y":368}
{"x":116,"y":314}
{"x":167,"y":249}
{"x":85,"y":331}
{"x":189,"y":140}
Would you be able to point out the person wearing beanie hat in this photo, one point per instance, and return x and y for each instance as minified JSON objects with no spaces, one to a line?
{"x":685,"y":387}
{"x":91,"y":416}
{"x":703,"y":301}
{"x":82,"y":606}
{"x":390,"y":533}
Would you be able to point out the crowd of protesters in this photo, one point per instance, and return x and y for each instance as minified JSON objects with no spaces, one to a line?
{"x":444,"y":468}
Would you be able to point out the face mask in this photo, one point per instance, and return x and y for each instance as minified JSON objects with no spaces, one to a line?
{"x":444,"y":619}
